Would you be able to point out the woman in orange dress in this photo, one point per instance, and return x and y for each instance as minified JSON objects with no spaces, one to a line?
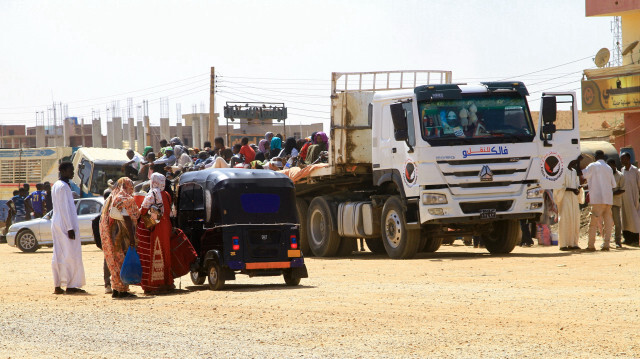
{"x":118,"y":235}
{"x":154,"y":246}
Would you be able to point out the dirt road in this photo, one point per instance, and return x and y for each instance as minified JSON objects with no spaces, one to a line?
{"x":459,"y":302}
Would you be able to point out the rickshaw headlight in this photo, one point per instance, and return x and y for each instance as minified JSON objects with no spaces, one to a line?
{"x":294,"y":242}
{"x":236,"y":243}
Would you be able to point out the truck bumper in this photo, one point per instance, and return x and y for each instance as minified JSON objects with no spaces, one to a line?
{"x":521,"y":207}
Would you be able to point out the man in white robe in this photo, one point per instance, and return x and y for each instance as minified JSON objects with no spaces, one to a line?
{"x":68,"y":270}
{"x":568,"y":200}
{"x":630,"y":204}
{"x":616,"y":209}
{"x":601,"y":184}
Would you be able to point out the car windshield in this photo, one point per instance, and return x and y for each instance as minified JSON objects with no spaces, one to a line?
{"x":476,"y":119}
{"x":102,"y":174}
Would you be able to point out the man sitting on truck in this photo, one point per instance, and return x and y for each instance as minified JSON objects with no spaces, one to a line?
{"x":132,"y":167}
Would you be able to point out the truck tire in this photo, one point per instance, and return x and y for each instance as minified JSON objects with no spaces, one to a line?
{"x":375,"y":245}
{"x":503,"y":238}
{"x":347,"y":247}
{"x":322,"y":231}
{"x":432,"y":244}
{"x":302,"y":207}
{"x":399,"y":242}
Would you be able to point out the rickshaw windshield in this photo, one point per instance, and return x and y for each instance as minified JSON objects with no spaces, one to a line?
{"x":252,"y":205}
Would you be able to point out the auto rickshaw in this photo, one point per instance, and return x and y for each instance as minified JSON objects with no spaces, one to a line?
{"x":240,"y":221}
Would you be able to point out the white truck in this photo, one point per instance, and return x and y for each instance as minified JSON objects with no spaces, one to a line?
{"x":411,"y":164}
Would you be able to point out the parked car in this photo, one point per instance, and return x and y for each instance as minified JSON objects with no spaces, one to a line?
{"x":28,"y":236}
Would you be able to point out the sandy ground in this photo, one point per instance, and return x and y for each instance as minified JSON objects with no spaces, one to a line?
{"x":460,"y":302}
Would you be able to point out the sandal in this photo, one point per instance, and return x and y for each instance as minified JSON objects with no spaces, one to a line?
{"x":58,"y":290}
{"x":126,"y":295}
{"x":76,"y":291}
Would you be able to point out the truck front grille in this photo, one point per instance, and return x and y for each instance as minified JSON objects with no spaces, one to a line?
{"x":475,"y":207}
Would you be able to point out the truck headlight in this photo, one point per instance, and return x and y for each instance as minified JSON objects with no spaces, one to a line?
{"x":535,"y":193}
{"x":434,"y":198}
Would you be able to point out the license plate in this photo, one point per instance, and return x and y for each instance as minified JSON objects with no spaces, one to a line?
{"x":487,"y":213}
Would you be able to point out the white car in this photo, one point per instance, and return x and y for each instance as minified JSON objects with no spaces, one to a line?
{"x":28,"y":236}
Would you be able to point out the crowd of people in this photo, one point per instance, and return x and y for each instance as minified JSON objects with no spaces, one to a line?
{"x":272,"y":152}
{"x":613,"y":197}
{"x":120,"y":224}
{"x":24,"y":204}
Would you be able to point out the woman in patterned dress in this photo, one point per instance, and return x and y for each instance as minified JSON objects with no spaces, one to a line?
{"x":154,"y":246}
{"x":117,"y":235}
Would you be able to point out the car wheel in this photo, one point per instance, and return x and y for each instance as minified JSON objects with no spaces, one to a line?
{"x":216,"y":282}
{"x":26,"y":241}
{"x":197,"y":278}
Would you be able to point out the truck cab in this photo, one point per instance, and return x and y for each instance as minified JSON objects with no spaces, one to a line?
{"x":469,"y":157}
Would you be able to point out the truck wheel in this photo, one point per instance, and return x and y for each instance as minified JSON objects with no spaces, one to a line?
{"x":26,"y":241}
{"x":322,"y":232}
{"x":302,"y":207}
{"x":197,"y":278}
{"x":216,"y":282}
{"x":503,"y":238}
{"x":399,"y":242}
{"x":347,"y":247}
{"x":375,"y":245}
{"x":432,"y":244}
{"x":289,"y":279}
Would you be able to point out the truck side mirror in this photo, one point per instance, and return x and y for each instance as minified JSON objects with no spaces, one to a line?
{"x":399,"y":117}
{"x":549,"y":110}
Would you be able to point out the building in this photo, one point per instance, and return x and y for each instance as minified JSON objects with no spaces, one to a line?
{"x":80,"y":134}
{"x":616,"y":89}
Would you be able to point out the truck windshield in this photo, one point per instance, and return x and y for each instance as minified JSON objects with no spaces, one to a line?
{"x":102,"y":174}
{"x":476,"y":119}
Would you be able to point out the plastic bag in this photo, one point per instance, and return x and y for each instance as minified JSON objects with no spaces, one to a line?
{"x":131,"y":271}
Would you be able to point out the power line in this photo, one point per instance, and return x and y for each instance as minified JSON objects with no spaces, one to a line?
{"x":111,"y":96}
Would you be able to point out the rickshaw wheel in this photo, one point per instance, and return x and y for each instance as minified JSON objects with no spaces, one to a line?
{"x":197,"y":278}
{"x":289,"y":280}
{"x":216,"y":282}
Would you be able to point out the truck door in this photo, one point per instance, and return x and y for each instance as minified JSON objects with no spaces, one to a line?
{"x":559,"y":135}
{"x":395,"y":149}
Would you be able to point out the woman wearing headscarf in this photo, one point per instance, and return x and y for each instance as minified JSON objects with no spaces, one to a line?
{"x":305,"y":148}
{"x":154,"y":246}
{"x":268,"y":136}
{"x":117,"y":235}
{"x":146,"y":151}
{"x":263,"y":150}
{"x":290,"y":147}
{"x":276,"y":147}
{"x":321,"y":144}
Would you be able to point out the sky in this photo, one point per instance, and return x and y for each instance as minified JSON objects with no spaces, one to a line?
{"x":88,"y":54}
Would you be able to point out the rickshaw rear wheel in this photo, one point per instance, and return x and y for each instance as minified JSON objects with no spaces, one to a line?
{"x":197,"y":278}
{"x":216,"y":281}
{"x":289,"y":279}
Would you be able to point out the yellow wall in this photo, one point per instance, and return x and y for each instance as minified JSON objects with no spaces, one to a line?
{"x":631,"y":33}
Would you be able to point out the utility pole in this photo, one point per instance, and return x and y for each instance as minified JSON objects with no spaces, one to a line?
{"x":213,"y":121}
